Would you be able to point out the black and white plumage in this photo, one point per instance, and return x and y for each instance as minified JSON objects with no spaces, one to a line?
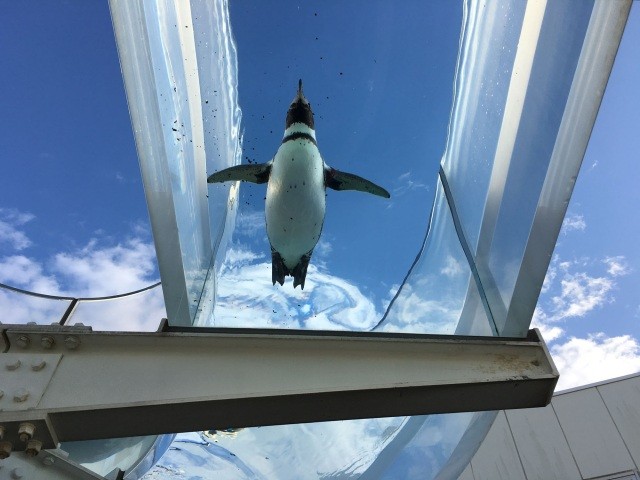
{"x":296,"y":180}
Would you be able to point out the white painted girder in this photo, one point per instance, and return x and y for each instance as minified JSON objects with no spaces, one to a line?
{"x":114,"y":384}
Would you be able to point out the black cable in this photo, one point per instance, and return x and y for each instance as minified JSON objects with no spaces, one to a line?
{"x":83,"y":299}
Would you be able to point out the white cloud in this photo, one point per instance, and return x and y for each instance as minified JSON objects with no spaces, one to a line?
{"x":236,"y":256}
{"x":581,"y":361}
{"x":564,"y":266}
{"x":617,"y":266}
{"x":549,"y":277}
{"x":246,"y":297}
{"x":425,"y":305}
{"x":94,"y":270}
{"x":323,"y":248}
{"x":549,"y":332}
{"x":407,"y":184}
{"x":23,"y":272}
{"x":250,"y":222}
{"x":10,"y":221}
{"x":570,"y":292}
{"x":573,"y":222}
{"x":452,"y":268}
{"x":580,"y":294}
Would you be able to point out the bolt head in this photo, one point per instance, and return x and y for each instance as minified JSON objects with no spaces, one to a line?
{"x":38,"y":364}
{"x":23,"y":341}
{"x":17,"y":473}
{"x":5,"y":449}
{"x":21,"y":395}
{"x":13,"y":365}
{"x":72,"y":342}
{"x":33,"y":448}
{"x":26,"y":431}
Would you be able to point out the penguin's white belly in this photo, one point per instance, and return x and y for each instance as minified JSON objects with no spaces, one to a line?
{"x":295,"y":203}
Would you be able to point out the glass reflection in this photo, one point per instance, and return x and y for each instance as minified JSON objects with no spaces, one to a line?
{"x":381,"y":107}
{"x":535,"y":141}
{"x":103,"y":456}
{"x":432,"y":297}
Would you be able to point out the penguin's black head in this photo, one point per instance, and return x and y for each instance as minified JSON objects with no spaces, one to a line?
{"x":300,"y":110}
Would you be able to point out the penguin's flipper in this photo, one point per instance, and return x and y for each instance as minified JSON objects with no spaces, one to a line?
{"x":338,"y":180}
{"x":246,"y":173}
{"x":278,"y":268}
{"x":299,"y":272}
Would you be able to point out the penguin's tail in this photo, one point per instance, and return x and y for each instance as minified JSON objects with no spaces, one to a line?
{"x":279,"y":270}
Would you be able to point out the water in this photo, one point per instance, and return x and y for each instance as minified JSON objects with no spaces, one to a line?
{"x":380,"y":82}
{"x":381,"y":100}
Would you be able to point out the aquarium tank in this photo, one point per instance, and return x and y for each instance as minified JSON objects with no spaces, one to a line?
{"x":474,"y":115}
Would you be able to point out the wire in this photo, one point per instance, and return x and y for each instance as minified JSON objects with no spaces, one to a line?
{"x":83,"y":299}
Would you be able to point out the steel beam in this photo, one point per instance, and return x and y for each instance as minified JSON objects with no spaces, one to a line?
{"x":76,"y":384}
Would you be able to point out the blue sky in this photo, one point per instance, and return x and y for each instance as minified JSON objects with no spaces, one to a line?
{"x":592,"y":291}
{"x":73,"y":217}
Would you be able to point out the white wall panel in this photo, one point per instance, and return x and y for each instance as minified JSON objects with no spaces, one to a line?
{"x":623,"y":402}
{"x":544,"y":451}
{"x":467,"y":474}
{"x":587,"y":433}
{"x":497,"y":457}
{"x":593,"y":438}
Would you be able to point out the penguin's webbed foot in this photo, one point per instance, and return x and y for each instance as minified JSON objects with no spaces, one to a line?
{"x":278,"y":268}
{"x":299,"y":273}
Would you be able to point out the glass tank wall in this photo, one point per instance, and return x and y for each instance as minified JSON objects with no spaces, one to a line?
{"x":474,"y":115}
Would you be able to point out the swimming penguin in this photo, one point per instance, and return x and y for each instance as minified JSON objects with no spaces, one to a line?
{"x":296,"y":180}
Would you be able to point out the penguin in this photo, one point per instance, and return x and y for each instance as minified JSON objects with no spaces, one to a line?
{"x":296,"y":179}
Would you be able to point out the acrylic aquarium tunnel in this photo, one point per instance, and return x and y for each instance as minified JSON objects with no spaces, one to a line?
{"x":474,"y":115}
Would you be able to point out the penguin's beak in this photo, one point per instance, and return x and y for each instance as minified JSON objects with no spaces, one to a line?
{"x":300,"y":109}
{"x":300,"y":95}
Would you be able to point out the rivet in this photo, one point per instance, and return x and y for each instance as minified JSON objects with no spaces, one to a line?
{"x":5,"y":449}
{"x":47,"y":342}
{"x":33,"y":448}
{"x":20,"y":395}
{"x":38,"y":364}
{"x":26,"y":431}
{"x":13,"y":365}
{"x":17,"y":473}
{"x":23,"y":341}
{"x":72,"y":342}
{"x":48,"y":461}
